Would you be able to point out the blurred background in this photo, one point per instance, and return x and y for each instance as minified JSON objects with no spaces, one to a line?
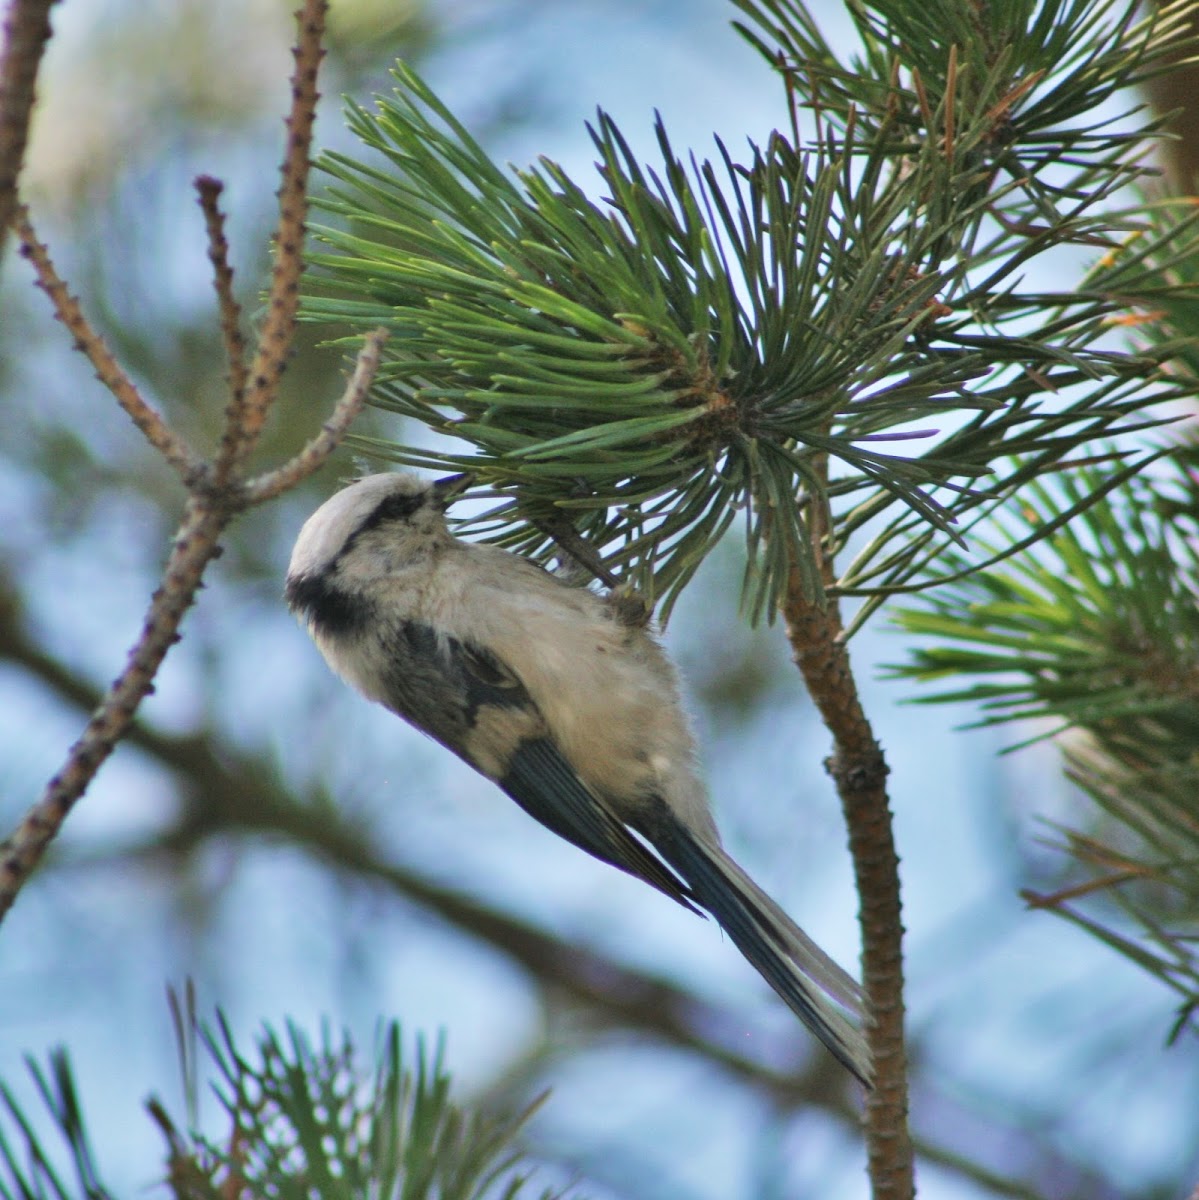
{"x":298,"y":853}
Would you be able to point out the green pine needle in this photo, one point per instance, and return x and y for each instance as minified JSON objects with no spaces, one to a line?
{"x":747,"y":335}
{"x":1093,"y":629}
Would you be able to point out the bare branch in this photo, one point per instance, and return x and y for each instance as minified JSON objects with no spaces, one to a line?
{"x":860,"y":772}
{"x":215,"y":496}
{"x":26,"y":32}
{"x":195,"y":544}
{"x":66,"y":308}
{"x":275,"y":338}
{"x":317,"y":451}
{"x":209,"y":191}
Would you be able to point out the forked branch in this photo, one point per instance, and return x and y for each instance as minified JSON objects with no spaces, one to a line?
{"x":217,"y":490}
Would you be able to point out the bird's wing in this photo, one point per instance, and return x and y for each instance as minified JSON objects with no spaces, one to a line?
{"x":544,"y":784}
{"x":501,"y":720}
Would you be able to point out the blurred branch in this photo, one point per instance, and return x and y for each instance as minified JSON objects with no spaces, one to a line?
{"x":216,"y":492}
{"x":1174,"y":94}
{"x":26,"y":32}
{"x":229,"y":792}
{"x":194,"y":545}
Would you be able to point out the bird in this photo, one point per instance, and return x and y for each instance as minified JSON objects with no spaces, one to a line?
{"x":560,"y":695}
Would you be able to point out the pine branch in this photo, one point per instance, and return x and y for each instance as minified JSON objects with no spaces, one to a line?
{"x":688,"y":351}
{"x":1095,"y":633}
{"x":302,"y":1121}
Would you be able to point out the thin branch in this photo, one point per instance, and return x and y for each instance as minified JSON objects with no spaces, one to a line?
{"x":195,"y":544}
{"x":26,"y":32}
{"x":209,"y":192}
{"x":950,"y":102}
{"x":565,"y":536}
{"x":814,"y":629}
{"x":860,"y":772}
{"x":278,"y":330}
{"x":165,"y":440}
{"x":317,"y":451}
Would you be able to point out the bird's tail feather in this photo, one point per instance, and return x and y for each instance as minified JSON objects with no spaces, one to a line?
{"x":820,"y":993}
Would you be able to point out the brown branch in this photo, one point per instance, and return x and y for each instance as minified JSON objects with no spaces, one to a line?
{"x":26,"y":32}
{"x":275,"y":337}
{"x":212,"y":502}
{"x":66,"y":309}
{"x":317,"y":451}
{"x":194,"y":545}
{"x":209,"y":192}
{"x":565,"y":536}
{"x":860,"y":772}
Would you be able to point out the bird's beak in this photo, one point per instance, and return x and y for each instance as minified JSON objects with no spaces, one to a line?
{"x":450,"y":487}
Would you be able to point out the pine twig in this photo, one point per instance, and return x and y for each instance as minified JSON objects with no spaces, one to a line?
{"x":196,"y":544}
{"x":859,"y":770}
{"x":278,"y":330}
{"x":209,"y":192}
{"x":315,"y":453}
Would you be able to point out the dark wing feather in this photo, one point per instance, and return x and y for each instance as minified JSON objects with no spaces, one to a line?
{"x":450,"y":688}
{"x":439,"y":684}
{"x":545,"y":785}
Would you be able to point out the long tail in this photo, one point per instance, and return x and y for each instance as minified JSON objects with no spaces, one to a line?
{"x":820,"y":993}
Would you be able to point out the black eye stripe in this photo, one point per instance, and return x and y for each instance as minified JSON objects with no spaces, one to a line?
{"x":396,"y":507}
{"x":318,"y":597}
{"x":399,"y":506}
